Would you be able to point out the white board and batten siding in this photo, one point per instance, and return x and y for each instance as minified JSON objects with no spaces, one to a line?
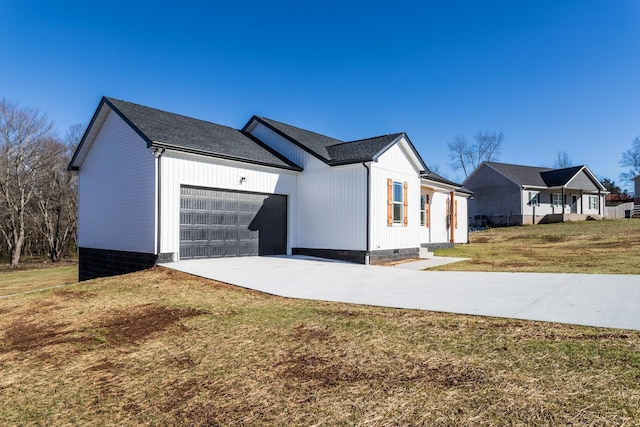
{"x":186,"y":169}
{"x":116,"y":191}
{"x":461,"y":233}
{"x":332,"y":201}
{"x":394,"y":164}
{"x":286,"y":148}
{"x":332,"y":206}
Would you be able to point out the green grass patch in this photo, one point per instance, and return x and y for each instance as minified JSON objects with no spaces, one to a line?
{"x":14,"y":282}
{"x":598,"y":247}
{"x":161,"y":347}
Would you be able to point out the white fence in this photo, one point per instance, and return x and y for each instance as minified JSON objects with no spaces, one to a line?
{"x":618,"y":212}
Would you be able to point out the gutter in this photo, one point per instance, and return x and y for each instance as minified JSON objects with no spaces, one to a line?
{"x":367,"y":253}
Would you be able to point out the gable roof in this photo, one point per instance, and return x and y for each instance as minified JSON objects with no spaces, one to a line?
{"x":333,"y":151}
{"x":176,"y":132}
{"x":363,"y":150}
{"x":531,"y":176}
{"x":560,"y":177}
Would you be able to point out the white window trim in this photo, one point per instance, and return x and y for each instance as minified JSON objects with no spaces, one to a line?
{"x":560,"y":202}
{"x":400,"y":220}
{"x":423,"y":210}
{"x":534,"y":195}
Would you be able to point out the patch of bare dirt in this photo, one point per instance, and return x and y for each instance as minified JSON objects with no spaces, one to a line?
{"x":121,"y":327}
{"x":140,"y":322}
{"x":26,"y":336}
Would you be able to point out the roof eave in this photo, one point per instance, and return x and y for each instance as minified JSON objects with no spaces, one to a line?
{"x":158,"y":144}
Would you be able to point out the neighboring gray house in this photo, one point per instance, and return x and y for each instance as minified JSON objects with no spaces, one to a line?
{"x":157,"y":186}
{"x":506,"y":194}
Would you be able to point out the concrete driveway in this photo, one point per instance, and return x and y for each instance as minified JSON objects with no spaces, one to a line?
{"x":605,"y":300}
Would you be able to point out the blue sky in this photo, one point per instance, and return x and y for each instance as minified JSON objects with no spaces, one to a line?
{"x":553,"y":75}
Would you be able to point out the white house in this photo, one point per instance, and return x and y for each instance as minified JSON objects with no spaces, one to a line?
{"x":157,"y":187}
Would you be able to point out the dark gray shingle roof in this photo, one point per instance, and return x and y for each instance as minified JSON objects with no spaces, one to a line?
{"x":522,"y":175}
{"x":334,"y":151}
{"x":537,"y":176}
{"x":169,"y":130}
{"x":560,"y":177}
{"x":363,"y":150}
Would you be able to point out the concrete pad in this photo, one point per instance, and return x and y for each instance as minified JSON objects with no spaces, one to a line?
{"x":595,"y":300}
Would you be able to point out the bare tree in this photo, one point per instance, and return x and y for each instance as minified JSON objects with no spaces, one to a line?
{"x":55,"y":197}
{"x":24,"y":133}
{"x":562,"y":160}
{"x":631,"y":159}
{"x":460,"y":154}
{"x":487,"y":147}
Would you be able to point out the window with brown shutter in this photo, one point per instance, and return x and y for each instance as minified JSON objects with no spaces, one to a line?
{"x":396,"y":203}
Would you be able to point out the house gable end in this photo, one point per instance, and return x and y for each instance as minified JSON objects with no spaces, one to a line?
{"x":311,"y":142}
{"x":94,"y":128}
{"x":584,"y":180}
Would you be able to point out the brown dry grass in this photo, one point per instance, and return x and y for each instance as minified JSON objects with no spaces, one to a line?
{"x":164,"y":348}
{"x":596,"y":247}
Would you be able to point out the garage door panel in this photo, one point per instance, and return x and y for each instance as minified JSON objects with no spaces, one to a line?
{"x":219,"y":223}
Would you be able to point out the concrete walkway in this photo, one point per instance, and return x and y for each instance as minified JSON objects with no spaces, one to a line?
{"x":605,"y":300}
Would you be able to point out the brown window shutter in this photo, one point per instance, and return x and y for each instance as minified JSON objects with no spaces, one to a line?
{"x":389,"y":202}
{"x":427,"y":213}
{"x":455,"y":213}
{"x":406,"y":203}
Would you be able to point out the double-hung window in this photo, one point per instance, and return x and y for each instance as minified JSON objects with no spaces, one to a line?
{"x":557,"y":200}
{"x":534,"y":198}
{"x":423,"y":209}
{"x":398,"y":203}
{"x":593,"y":202}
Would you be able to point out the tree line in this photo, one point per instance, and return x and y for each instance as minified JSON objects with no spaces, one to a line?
{"x":38,"y":195}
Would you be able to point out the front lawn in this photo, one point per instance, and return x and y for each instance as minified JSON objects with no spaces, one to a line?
{"x":161,"y":347}
{"x":570,"y":247}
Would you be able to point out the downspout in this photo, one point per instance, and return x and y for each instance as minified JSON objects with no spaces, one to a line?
{"x":158,"y":154}
{"x":367,"y":253}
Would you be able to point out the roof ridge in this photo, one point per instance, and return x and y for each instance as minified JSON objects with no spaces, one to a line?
{"x":172,"y":113}
{"x":299,"y":128}
{"x":520,"y":166}
{"x":375,"y":137}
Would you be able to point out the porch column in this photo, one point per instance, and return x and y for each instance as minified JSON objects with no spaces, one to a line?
{"x":452,"y":214}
